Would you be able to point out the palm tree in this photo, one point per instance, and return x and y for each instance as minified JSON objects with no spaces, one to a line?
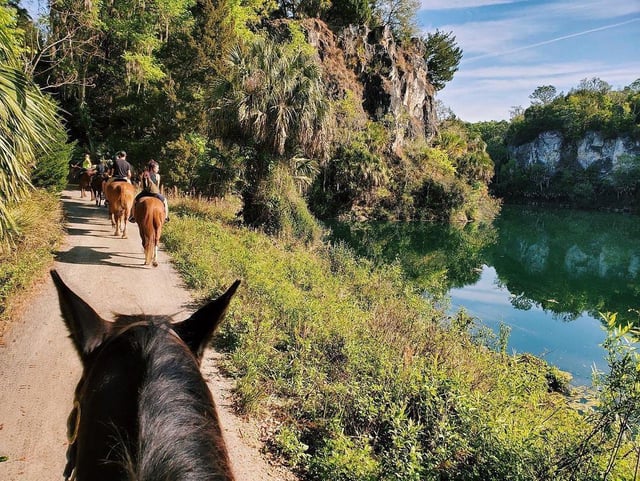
{"x":27,"y":120}
{"x":274,"y":100}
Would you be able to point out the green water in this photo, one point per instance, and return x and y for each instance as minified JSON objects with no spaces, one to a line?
{"x":545,"y":273}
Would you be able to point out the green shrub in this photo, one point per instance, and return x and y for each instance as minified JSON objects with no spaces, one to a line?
{"x":373,"y":382}
{"x":52,"y":170}
{"x":39,"y":224}
{"x":345,"y":459}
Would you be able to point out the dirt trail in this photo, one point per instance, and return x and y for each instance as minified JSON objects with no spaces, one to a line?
{"x":39,"y":367}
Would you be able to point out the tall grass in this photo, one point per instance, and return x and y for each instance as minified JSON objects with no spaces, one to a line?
{"x":39,"y":229}
{"x":364,"y":377}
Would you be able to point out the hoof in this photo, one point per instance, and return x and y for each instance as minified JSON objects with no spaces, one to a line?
{"x":155,"y":264}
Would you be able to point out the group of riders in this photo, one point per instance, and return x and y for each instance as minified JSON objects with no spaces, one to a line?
{"x":119,"y":170}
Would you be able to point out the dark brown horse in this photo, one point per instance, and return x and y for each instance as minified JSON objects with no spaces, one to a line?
{"x":150,"y":215}
{"x":120,"y":195}
{"x":142,"y":410}
{"x":84,"y":180}
{"x":96,"y":188}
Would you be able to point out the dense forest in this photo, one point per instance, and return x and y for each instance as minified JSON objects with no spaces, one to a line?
{"x":232,"y":99}
{"x":200,"y":86}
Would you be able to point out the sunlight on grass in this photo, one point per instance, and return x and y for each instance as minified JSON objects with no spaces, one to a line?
{"x":353,"y":363}
{"x":40,"y":229}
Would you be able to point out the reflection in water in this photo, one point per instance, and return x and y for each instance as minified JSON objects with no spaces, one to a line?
{"x":572,"y":346}
{"x":568,"y":262}
{"x":436,"y":257}
{"x":532,"y":270}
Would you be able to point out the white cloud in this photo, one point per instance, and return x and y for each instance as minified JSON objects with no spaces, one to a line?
{"x":455,"y":4}
{"x":530,"y":43}
{"x":484,"y":38}
{"x":554,"y":40}
{"x":517,"y":31}
{"x":588,"y":9}
{"x":490,"y":92}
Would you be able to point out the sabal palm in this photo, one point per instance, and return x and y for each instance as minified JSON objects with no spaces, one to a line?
{"x":275,"y":96}
{"x":27,"y":119}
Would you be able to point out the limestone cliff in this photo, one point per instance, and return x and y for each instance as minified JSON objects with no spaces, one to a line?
{"x":593,"y":150}
{"x":391,"y":81}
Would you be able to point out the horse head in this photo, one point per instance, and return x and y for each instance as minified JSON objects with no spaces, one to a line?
{"x":142,"y":410}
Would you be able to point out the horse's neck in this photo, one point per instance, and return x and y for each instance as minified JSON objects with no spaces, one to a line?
{"x":177,"y":421}
{"x":153,"y":419}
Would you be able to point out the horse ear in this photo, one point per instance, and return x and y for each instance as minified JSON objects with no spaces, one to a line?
{"x":198,"y":329}
{"x":87,"y":328}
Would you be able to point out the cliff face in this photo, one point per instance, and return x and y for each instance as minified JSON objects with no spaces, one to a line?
{"x":391,"y":81}
{"x":591,"y":151}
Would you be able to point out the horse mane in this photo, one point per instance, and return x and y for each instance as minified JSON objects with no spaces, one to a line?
{"x":174,"y":408}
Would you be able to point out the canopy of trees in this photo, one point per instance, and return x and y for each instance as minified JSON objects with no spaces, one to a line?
{"x":228,"y":95}
{"x":28,"y":121}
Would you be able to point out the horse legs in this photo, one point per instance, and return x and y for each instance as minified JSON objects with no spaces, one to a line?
{"x":126,"y":213}
{"x":115,"y":223}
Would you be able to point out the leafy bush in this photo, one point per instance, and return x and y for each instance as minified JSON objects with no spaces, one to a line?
{"x":183,"y":156}
{"x":39,"y":224}
{"x":222,"y":173}
{"x":373,"y":381}
{"x":277,"y":207}
{"x":52,"y":169}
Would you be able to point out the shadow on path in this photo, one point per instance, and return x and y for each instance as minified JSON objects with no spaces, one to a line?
{"x":92,"y":256}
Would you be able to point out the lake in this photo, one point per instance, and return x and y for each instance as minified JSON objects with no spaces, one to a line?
{"x":546,"y":273}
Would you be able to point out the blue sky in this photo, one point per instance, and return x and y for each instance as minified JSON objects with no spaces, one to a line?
{"x":511,"y":47}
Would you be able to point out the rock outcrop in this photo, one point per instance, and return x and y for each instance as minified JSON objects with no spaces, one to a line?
{"x":391,"y":81}
{"x":593,"y":150}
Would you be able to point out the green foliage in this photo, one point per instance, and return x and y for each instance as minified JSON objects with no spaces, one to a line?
{"x":444,"y":180}
{"x":617,"y":417}
{"x":543,"y":95}
{"x":493,"y":134}
{"x":223,"y":171}
{"x":183,"y":156}
{"x":39,"y":219}
{"x":28,"y":120}
{"x":273,"y":96}
{"x":442,"y":56}
{"x":288,"y":445}
{"x":373,"y":381}
{"x":52,"y":170}
{"x":625,"y":176}
{"x":592,"y":106}
{"x":273,"y":101}
{"x":345,"y":459}
{"x":398,"y":15}
{"x":277,"y":207}
{"x":349,"y":12}
{"x":351,"y":176}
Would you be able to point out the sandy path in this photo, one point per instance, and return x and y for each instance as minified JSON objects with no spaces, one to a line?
{"x":39,"y":367}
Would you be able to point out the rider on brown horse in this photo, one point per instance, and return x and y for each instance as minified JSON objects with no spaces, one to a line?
{"x":121,"y":169}
{"x":151,"y":187}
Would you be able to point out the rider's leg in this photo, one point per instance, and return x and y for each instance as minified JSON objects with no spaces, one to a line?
{"x":166,"y":209}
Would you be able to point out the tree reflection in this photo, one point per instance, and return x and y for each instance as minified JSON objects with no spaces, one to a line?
{"x":566,"y":262}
